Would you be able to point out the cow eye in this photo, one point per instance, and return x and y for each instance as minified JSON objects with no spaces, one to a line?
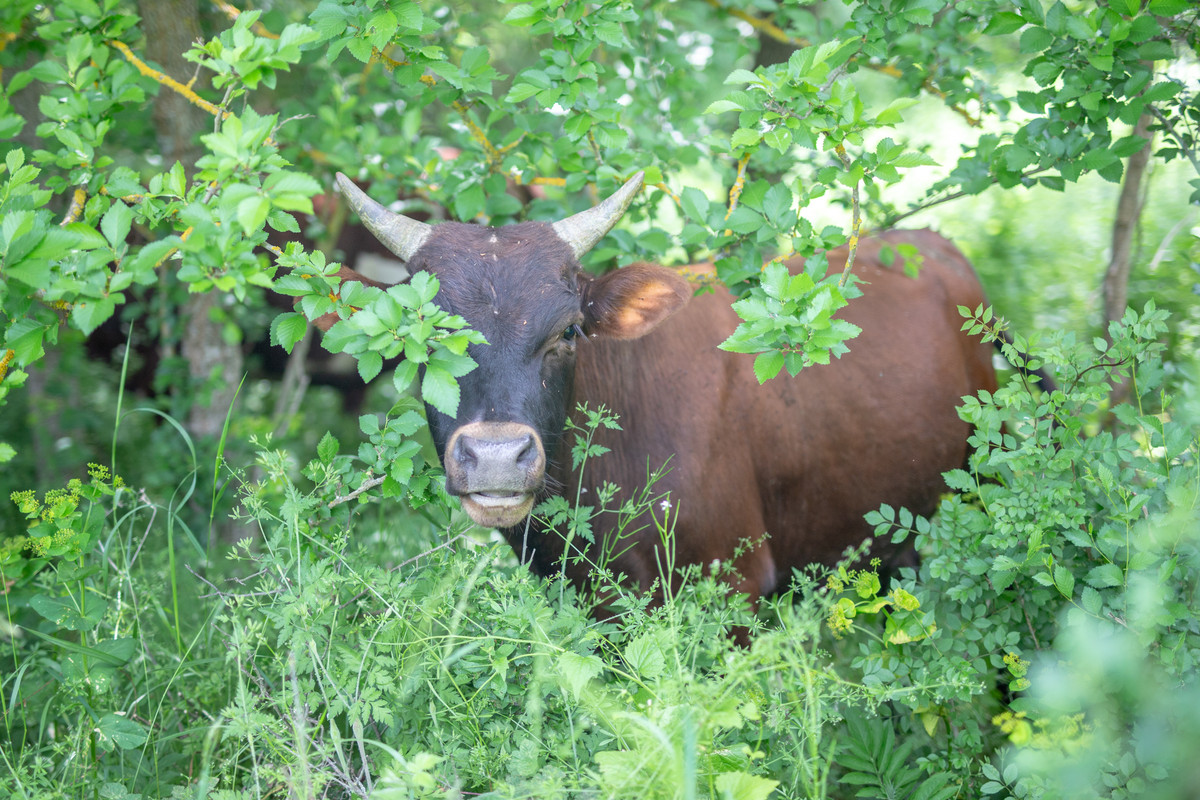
{"x":571,"y":332}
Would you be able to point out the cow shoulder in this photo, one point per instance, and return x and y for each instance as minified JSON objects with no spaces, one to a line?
{"x":630,"y":302}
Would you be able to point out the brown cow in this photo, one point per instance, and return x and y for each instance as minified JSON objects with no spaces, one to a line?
{"x":800,"y":459}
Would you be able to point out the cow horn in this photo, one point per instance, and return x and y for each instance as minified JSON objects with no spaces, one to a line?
{"x":398,"y":233}
{"x":581,"y":231}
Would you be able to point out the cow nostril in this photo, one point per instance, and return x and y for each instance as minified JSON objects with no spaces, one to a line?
{"x":464,"y":452}
{"x":527,"y":454}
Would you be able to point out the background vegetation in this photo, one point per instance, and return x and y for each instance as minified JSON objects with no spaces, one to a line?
{"x":228,"y":571}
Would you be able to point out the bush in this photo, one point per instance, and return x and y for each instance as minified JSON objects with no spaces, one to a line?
{"x":1059,"y":586}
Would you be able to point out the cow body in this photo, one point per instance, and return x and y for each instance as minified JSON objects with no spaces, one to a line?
{"x":800,"y":460}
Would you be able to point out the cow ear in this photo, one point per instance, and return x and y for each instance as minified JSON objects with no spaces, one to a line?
{"x":629,"y":302}
{"x":327,"y":321}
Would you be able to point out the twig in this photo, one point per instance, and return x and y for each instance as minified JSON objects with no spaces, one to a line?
{"x":735,"y":191}
{"x":856,"y":220}
{"x":367,"y":485}
{"x":477,"y":133}
{"x":1169,"y":124}
{"x":76,"y":207}
{"x":5,"y":360}
{"x":168,"y":81}
{"x":234,"y":13}
{"x":892,"y":221}
{"x":1161,"y":252}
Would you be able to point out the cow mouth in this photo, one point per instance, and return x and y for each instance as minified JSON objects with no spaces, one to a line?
{"x":497,"y":509}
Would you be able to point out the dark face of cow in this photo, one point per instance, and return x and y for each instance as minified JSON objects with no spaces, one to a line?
{"x":522,"y":288}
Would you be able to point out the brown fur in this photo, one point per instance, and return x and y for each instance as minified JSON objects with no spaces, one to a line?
{"x":801,"y":459}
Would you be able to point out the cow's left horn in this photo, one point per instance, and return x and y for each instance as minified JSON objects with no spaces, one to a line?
{"x":581,"y":231}
{"x":398,"y":233}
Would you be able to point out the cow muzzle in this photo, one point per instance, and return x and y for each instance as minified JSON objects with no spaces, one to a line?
{"x":496,"y":469}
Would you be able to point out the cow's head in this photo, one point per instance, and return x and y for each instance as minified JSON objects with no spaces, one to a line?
{"x":522,"y":288}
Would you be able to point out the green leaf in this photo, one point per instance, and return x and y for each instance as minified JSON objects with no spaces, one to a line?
{"x":576,"y":671}
{"x":891,"y":114}
{"x":1064,"y":581}
{"x":290,"y":182}
{"x":695,"y":205}
{"x":24,"y":337}
{"x":914,"y":159}
{"x":116,"y":223}
{"x":252,"y":213}
{"x":287,"y":329}
{"x":777,"y":205}
{"x":469,"y":204}
{"x":121,"y":731}
{"x":1035,"y":39}
{"x":745,"y":137}
{"x":742,"y":76}
{"x":64,"y":613}
{"x":768,"y":365}
{"x":1003,"y":23}
{"x":440,"y":390}
{"x":522,"y":15}
{"x":644,"y":656}
{"x":1104,"y":576}
{"x":721,"y":106}
{"x":88,"y":314}
{"x":744,"y":786}
{"x":403,"y":376}
{"x":327,"y":448}
{"x":779,"y":139}
{"x":369,"y":365}
{"x":1169,"y":8}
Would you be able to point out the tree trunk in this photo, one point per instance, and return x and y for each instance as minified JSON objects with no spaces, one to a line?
{"x":214,"y":365}
{"x":1129,"y":212}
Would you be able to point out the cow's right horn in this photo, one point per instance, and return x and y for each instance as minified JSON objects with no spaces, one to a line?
{"x":398,"y":233}
{"x":581,"y":231}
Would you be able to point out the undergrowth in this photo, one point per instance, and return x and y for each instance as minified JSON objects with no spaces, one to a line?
{"x":1046,"y":646}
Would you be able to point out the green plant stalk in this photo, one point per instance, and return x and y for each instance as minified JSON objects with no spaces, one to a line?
{"x":216,"y":494}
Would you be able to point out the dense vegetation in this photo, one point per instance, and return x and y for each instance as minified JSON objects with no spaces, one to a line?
{"x":218,"y":583}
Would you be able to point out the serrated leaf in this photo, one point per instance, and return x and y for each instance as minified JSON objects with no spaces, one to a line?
{"x":742,"y":76}
{"x":744,"y":786}
{"x":1035,"y":39}
{"x":440,"y":390}
{"x":252,"y":213}
{"x":768,"y":365}
{"x":1104,"y":576}
{"x":644,"y":655}
{"x":745,"y":137}
{"x":403,"y":376}
{"x":369,"y":365}
{"x":576,"y":671}
{"x":521,"y":15}
{"x":327,"y":448}
{"x":115,"y":224}
{"x":1064,"y":581}
{"x":287,"y":329}
{"x":88,"y":314}
{"x":721,"y":106}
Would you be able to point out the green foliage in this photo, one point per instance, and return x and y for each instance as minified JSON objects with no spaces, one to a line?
{"x":1070,"y":543}
{"x":797,"y":309}
{"x":1045,"y":647}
